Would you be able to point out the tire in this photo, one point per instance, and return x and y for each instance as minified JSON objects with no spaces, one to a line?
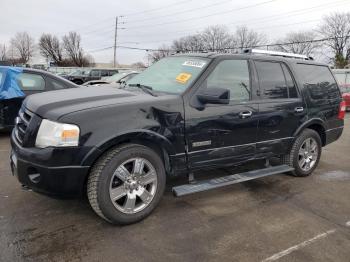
{"x":294,"y":157}
{"x":117,"y":175}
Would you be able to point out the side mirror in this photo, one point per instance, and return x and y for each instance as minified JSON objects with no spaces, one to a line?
{"x":214,"y":96}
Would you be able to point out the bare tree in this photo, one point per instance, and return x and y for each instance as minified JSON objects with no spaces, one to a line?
{"x":138,"y":65}
{"x":50,"y":47}
{"x":245,"y":38}
{"x":162,"y":52}
{"x":298,"y":43}
{"x":191,"y":43}
{"x":216,"y":38}
{"x":3,"y":54}
{"x":72,"y":46}
{"x":336,"y":28}
{"x":23,"y":45}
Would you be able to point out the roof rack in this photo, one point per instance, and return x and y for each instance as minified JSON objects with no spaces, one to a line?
{"x":276,"y":53}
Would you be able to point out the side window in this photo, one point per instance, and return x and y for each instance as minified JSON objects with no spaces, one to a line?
{"x":95,"y":73}
{"x":271,"y":80}
{"x":31,"y":82}
{"x":104,"y":73}
{"x":232,"y":75}
{"x":1,"y":76}
{"x":113,"y":72}
{"x":319,"y":81}
{"x":292,"y":89}
{"x":56,"y":85}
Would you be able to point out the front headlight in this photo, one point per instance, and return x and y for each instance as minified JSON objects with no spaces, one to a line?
{"x":57,"y":134}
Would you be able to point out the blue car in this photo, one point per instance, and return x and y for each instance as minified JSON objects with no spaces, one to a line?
{"x":16,"y":83}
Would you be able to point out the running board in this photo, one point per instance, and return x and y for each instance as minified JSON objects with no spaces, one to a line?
{"x":204,"y":185}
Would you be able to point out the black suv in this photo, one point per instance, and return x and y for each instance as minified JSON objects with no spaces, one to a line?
{"x":81,"y":76}
{"x":182,"y":114}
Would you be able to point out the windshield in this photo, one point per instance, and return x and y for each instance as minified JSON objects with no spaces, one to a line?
{"x":171,"y":74}
{"x":115,"y":77}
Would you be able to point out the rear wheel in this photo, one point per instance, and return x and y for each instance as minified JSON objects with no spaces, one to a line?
{"x":304,"y":154}
{"x":126,"y":184}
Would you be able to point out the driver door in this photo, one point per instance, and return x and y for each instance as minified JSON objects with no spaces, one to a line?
{"x":218,"y":134}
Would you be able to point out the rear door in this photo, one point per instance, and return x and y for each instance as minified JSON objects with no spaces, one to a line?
{"x":281,"y":107}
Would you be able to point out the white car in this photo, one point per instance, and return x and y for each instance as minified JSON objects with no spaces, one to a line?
{"x":114,"y":79}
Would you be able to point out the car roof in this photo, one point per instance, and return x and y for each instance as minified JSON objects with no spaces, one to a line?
{"x":214,"y":55}
{"x":49,"y":74}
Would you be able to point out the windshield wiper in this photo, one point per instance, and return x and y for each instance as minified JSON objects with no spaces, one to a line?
{"x":144,"y":88}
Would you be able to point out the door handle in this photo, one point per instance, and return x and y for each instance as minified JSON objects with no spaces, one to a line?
{"x":298,"y":109}
{"x":245,"y":114}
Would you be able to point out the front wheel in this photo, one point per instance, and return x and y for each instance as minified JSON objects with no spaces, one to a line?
{"x":304,"y":154}
{"x":126,"y":184}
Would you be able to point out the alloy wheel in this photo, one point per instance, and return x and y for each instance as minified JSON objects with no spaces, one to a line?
{"x":133,"y":185}
{"x":308,"y":154}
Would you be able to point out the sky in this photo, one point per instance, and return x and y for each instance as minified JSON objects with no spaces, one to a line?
{"x":151,"y":23}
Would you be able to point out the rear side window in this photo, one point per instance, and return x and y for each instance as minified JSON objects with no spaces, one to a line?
{"x":112,"y":72}
{"x":31,"y":82}
{"x":271,"y":79}
{"x":57,"y":85}
{"x":319,"y":81}
{"x":95,"y":73}
{"x":104,"y":73}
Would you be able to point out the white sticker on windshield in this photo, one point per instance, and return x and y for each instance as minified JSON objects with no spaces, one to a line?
{"x":199,"y":64}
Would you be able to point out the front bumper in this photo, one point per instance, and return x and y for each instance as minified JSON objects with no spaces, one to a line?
{"x":33,"y":169}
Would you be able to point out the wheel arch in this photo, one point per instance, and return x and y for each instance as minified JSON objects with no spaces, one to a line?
{"x":160,"y":144}
{"x":315,"y":124}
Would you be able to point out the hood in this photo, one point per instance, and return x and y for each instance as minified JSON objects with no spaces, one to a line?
{"x":54,"y":104}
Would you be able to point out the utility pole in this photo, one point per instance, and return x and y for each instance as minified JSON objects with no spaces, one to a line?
{"x":115,"y":38}
{"x":115,"y":42}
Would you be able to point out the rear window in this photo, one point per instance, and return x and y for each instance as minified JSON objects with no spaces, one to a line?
{"x":31,"y":82}
{"x":319,"y":81}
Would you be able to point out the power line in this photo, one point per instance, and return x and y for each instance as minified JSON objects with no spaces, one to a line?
{"x":258,"y":20}
{"x":186,"y":11}
{"x":226,"y":48}
{"x":158,"y":8}
{"x":265,"y":19}
{"x":201,"y":17}
{"x":182,"y":12}
{"x":280,"y":25}
{"x":130,"y":14}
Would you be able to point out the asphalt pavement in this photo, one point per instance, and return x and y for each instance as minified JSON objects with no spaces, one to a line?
{"x":277,"y":218}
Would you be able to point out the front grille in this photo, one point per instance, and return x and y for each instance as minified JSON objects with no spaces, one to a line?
{"x":21,"y":124}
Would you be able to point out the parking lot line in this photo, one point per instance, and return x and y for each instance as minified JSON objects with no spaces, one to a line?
{"x":298,"y":246}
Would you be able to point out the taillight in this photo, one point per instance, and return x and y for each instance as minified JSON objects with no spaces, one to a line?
{"x":342,"y":110}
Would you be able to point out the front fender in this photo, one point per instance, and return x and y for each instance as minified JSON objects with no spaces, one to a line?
{"x":134,"y":135}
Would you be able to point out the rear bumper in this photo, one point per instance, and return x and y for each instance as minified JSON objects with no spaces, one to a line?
{"x":333,"y":134}
{"x":27,"y":165}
